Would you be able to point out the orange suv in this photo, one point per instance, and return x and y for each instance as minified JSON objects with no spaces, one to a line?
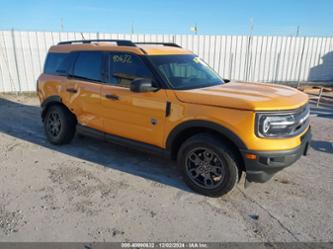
{"x":162,"y":98}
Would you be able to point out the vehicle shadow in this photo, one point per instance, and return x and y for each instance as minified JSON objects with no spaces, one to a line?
{"x":322,"y":72}
{"x":23,"y":121}
{"x":323,"y":111}
{"x":322,"y":146}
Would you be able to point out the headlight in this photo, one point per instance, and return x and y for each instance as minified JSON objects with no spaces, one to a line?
{"x":282,"y":124}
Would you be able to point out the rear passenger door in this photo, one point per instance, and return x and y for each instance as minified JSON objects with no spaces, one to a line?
{"x":84,"y":88}
{"x":136,"y":116}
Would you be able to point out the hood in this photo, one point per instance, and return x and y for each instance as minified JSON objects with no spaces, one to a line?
{"x":246,"y":96}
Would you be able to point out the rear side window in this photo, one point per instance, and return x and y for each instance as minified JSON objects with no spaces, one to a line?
{"x":53,"y":62}
{"x":88,"y":66}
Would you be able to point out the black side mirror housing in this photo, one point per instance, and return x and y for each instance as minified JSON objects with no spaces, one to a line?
{"x":226,"y":80}
{"x":141,"y":85}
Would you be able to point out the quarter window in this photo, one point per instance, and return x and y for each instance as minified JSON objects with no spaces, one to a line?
{"x":53,"y":62}
{"x":88,"y":66}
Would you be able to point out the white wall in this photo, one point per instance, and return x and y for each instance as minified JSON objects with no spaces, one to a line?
{"x":257,"y":58}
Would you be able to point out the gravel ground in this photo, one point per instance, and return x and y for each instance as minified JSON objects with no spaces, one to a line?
{"x":95,"y":191}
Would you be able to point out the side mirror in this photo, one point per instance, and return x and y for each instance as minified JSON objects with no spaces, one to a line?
{"x":141,"y":85}
{"x":226,"y":80}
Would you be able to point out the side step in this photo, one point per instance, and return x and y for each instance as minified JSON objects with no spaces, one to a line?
{"x":125,"y":142}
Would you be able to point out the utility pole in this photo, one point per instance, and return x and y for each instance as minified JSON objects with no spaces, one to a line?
{"x":194,"y":29}
{"x":251,"y":27}
{"x":298,"y":30}
{"x":62,"y":24}
{"x":132,"y":28}
{"x":248,"y":48}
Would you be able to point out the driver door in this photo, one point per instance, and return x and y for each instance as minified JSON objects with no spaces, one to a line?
{"x":136,"y":116}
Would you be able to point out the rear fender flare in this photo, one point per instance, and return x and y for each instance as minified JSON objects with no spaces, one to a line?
{"x":48,"y":101}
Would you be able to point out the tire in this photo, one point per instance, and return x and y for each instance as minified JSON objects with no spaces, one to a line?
{"x":59,"y":125}
{"x":208,"y":166}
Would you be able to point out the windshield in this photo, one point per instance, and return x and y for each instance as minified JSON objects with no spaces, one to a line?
{"x":186,"y":71}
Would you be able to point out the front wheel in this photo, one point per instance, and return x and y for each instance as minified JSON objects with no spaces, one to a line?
{"x":209,"y":167}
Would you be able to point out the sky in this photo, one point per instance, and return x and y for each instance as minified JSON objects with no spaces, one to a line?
{"x":215,"y":17}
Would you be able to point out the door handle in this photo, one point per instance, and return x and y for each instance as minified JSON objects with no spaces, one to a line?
{"x":71,"y":90}
{"x":112,"y":96}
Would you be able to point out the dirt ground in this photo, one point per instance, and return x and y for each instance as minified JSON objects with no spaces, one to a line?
{"x":95,"y":191}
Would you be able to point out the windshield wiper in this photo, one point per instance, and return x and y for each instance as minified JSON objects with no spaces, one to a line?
{"x":124,"y":76}
{"x":198,"y":86}
{"x":83,"y":78}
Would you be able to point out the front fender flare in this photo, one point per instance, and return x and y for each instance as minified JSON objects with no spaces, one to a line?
{"x":204,"y":124}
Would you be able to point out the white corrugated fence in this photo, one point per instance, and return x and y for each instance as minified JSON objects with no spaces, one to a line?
{"x":247,"y":58}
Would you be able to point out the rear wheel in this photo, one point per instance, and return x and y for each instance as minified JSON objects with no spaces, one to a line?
{"x":59,"y":125}
{"x":209,"y":167}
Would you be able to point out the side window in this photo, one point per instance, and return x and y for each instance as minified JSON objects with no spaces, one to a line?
{"x":125,"y":67}
{"x":53,"y":61}
{"x":88,"y":66}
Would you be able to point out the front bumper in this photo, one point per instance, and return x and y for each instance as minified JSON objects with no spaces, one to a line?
{"x":267,"y":163}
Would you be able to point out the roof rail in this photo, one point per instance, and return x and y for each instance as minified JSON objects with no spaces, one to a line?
{"x":118,"y":42}
{"x":168,"y":44}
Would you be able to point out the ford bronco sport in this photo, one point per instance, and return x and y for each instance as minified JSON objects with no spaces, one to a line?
{"x":162,"y":98}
